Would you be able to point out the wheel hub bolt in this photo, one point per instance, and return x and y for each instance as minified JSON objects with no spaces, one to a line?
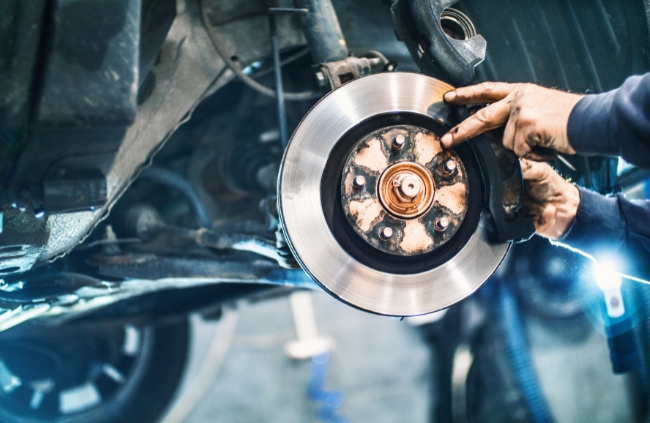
{"x":449,"y":166}
{"x":399,"y":141}
{"x":359,"y":182}
{"x":385,"y":233}
{"x":441,"y":223}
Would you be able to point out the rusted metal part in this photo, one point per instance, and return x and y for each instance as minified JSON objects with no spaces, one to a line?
{"x":419,"y":191}
{"x":406,"y":190}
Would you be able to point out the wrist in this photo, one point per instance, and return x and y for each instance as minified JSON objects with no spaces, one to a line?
{"x":567,"y":107}
{"x":567,"y":210}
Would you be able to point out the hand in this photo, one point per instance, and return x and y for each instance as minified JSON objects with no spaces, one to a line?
{"x":533,"y":115}
{"x":549,"y":197}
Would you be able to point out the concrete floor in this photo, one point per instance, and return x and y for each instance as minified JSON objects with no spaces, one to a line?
{"x":379,"y":365}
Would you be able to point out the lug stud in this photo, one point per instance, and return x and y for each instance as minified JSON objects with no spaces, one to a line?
{"x":441,"y":224}
{"x":399,"y":141}
{"x":449,"y":166}
{"x":359,"y":182}
{"x":385,"y":233}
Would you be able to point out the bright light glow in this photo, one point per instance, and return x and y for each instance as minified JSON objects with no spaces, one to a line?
{"x":609,"y":281}
{"x":607,"y":277}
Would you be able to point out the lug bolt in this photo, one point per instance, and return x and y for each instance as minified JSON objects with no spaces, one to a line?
{"x":450,"y":166}
{"x":385,"y":233}
{"x":441,"y":223}
{"x":359,"y":182}
{"x":399,"y":141}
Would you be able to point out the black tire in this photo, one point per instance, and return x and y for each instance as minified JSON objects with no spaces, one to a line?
{"x":140,"y":393}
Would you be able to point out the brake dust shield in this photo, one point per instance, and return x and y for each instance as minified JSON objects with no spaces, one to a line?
{"x":375,"y":210}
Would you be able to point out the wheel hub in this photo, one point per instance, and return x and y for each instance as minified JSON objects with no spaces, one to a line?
{"x":399,"y":180}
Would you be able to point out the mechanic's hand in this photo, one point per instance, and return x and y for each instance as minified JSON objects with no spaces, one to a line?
{"x":549,"y":197}
{"x":535,"y":116}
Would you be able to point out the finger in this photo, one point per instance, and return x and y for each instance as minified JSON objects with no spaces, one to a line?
{"x":486,"y":92}
{"x":509,"y":134}
{"x":543,"y":217}
{"x":521,"y":145}
{"x":541,"y":154}
{"x":531,"y":208}
{"x":549,"y":226}
{"x":535,"y":171}
{"x":487,"y":118}
{"x":537,"y":211}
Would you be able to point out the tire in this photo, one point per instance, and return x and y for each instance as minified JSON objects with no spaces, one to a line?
{"x":101,"y":374}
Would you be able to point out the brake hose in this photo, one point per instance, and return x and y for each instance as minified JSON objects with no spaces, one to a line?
{"x":519,"y":356}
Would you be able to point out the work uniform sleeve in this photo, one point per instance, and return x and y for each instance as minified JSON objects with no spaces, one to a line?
{"x":612,"y":229}
{"x":615,"y":123}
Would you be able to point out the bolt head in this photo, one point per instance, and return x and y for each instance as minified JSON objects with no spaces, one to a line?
{"x":450,"y":166}
{"x":320,"y":77}
{"x":399,"y":141}
{"x":421,"y":49}
{"x":386,"y":233}
{"x":359,"y":182}
{"x":441,"y":223}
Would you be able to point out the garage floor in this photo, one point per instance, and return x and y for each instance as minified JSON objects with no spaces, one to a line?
{"x":239,"y":373}
{"x":379,"y":365}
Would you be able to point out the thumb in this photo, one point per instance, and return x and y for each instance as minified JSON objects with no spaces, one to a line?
{"x":534,"y":171}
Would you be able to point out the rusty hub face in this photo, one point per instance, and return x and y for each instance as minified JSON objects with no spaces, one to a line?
{"x":413,"y":196}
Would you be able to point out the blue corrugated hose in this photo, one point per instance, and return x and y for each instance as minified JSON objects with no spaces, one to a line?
{"x":519,"y":356}
{"x":329,"y":401}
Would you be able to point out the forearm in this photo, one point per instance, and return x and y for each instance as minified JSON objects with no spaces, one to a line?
{"x":612,"y":229}
{"x":615,"y":123}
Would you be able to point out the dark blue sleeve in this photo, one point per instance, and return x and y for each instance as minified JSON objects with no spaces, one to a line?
{"x":613,"y":228}
{"x":615,"y":123}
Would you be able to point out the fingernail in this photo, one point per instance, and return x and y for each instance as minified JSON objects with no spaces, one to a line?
{"x":446,"y":140}
{"x":449,"y":96}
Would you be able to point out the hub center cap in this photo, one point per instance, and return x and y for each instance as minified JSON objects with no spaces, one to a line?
{"x":406,"y":190}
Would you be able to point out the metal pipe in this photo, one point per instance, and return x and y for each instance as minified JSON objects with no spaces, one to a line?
{"x":323,"y":31}
{"x":279,"y":91}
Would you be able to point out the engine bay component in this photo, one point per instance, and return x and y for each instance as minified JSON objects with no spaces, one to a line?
{"x":339,"y":72}
{"x":376,"y":211}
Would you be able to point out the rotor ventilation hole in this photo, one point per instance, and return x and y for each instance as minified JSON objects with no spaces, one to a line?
{"x":456,"y":25}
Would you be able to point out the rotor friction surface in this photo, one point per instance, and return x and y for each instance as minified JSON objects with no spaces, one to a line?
{"x":304,"y":220}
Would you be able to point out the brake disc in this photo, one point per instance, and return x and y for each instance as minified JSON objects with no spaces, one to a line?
{"x":375,"y":210}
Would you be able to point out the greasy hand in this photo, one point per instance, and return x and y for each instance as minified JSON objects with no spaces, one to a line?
{"x":533,"y":115}
{"x":549,"y":197}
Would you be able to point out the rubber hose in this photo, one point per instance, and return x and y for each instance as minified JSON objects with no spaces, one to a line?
{"x":519,"y":356}
{"x":182,"y":185}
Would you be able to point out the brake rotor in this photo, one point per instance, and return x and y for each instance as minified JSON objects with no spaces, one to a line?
{"x":375,"y":210}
